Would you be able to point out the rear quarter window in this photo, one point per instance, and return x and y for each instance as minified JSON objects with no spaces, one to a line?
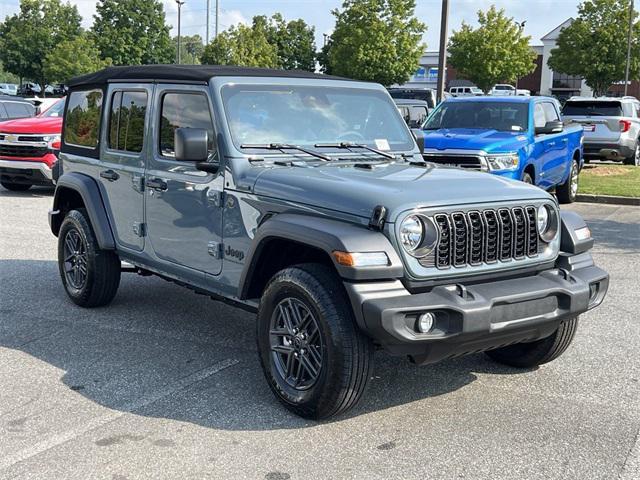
{"x":82,"y":120}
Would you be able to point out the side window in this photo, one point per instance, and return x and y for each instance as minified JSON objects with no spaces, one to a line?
{"x":539,"y":118}
{"x":404,"y":111}
{"x":184,"y":110}
{"x":551,"y":115}
{"x":418,"y":115}
{"x":638,"y":110}
{"x":82,"y":121}
{"x":3,"y":112}
{"x":126,"y":121}
{"x":18,"y":110}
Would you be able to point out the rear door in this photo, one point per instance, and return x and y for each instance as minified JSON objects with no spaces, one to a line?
{"x":183,"y":205}
{"x":123,"y":160}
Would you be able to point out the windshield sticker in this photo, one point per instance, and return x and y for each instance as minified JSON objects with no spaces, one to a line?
{"x":516,"y":128}
{"x":382,"y":144}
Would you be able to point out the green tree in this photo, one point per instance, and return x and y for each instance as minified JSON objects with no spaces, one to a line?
{"x":375,"y":40}
{"x":7,"y":77}
{"x":36,"y":29}
{"x":241,"y":45}
{"x":294,"y":41}
{"x":133,"y":32}
{"x":594,"y":46}
{"x":74,"y":57}
{"x":191,"y":48}
{"x":496,"y":51}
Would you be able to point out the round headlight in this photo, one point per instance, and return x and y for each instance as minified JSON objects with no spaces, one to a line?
{"x":411,"y":233}
{"x":547,"y":223}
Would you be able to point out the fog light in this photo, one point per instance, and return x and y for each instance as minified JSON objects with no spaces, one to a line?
{"x":593,"y":291}
{"x":426,"y":322}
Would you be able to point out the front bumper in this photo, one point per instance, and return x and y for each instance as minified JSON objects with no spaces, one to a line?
{"x":477,"y":317}
{"x":34,"y":172}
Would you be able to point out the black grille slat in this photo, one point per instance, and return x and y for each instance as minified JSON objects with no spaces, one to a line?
{"x":461,"y":161}
{"x":22,"y":151}
{"x":485,"y":236}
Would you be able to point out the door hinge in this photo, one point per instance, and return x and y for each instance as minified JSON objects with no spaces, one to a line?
{"x":215,"y":197}
{"x":214,"y":249}
{"x":140,"y":228}
{"x":138,"y":183}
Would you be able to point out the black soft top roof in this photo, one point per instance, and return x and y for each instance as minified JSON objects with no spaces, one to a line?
{"x":185,"y":73}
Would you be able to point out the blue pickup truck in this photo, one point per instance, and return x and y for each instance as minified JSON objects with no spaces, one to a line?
{"x":521,"y":138}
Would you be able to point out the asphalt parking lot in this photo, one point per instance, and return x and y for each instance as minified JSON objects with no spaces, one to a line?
{"x":166,"y":384}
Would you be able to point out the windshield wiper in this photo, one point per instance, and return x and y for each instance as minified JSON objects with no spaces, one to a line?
{"x":286,"y":146}
{"x":349,"y":145}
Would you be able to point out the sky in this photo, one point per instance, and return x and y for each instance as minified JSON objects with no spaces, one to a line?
{"x":541,"y":16}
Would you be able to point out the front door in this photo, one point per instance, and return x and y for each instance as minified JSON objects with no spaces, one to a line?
{"x":122,"y":167}
{"x":183,"y":205}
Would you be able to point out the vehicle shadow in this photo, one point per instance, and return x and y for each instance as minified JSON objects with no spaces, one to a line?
{"x":35,"y":191}
{"x":617,"y":235}
{"x":154,"y":352}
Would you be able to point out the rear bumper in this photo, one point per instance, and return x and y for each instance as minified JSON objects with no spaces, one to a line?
{"x":475,"y":317}
{"x":609,"y":151}
{"x":35,"y":172}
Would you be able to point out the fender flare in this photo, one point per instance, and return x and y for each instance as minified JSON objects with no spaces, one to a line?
{"x":89,"y":191}
{"x":327,"y":235}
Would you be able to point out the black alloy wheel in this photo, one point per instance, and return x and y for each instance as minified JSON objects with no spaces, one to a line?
{"x":75,"y":259}
{"x":296,"y":344}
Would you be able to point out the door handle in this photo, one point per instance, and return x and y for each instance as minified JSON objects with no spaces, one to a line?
{"x":109,"y":175}
{"x":156,"y":184}
{"x":552,"y":144}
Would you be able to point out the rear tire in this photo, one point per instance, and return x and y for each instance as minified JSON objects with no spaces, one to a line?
{"x":634,"y":159}
{"x":90,"y":275}
{"x":527,"y":355}
{"x":15,"y":187}
{"x":568,"y":191}
{"x":318,"y":362}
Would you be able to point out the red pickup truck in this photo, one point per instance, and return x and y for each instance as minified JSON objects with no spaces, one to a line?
{"x":29,"y":149}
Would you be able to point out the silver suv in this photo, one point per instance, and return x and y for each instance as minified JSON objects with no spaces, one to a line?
{"x":611,"y":127}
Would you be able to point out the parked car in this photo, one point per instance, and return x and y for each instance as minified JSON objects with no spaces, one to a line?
{"x":29,"y":149}
{"x":503,"y":89}
{"x":8,"y":89}
{"x":12,"y":108}
{"x":516,"y":137}
{"x":29,"y":89}
{"x":428,"y":95}
{"x":414,"y":112}
{"x":308,"y":202}
{"x":465,"y":91}
{"x":611,"y":127}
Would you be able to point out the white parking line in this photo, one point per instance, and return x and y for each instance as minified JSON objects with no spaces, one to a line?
{"x":112,"y":415}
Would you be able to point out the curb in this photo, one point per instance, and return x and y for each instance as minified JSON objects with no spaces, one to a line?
{"x":608,"y":199}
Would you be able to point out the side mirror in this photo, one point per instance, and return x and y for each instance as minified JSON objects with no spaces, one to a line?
{"x":555,"y":126}
{"x":191,"y":144}
{"x":418,"y":134}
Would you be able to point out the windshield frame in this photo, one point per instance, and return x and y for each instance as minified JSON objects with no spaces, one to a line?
{"x":219,"y":83}
{"x":527,"y":107}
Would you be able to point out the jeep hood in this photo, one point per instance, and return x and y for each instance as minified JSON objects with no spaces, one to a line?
{"x":474,"y":139}
{"x":399,"y":187}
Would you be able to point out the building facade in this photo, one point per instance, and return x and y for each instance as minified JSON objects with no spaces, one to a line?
{"x":542,"y":81}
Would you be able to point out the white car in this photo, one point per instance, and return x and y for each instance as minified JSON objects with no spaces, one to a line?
{"x":502,"y":89}
{"x":8,"y":88}
{"x":465,"y":91}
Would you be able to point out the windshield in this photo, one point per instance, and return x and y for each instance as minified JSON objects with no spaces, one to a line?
{"x":599,"y":108}
{"x":54,"y":110}
{"x":501,"y":116}
{"x":309,"y":115}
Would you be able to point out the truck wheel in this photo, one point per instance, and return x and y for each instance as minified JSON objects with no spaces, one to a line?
{"x":315,"y":359}
{"x":567,"y":192}
{"x":89,"y":274}
{"x":15,"y":187}
{"x":635,"y":158}
{"x":531,"y":354}
{"x":526,"y":178}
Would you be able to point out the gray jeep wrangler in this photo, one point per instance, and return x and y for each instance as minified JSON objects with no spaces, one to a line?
{"x":306,"y":199}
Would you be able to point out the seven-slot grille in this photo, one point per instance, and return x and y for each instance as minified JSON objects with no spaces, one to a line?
{"x":485,"y":236}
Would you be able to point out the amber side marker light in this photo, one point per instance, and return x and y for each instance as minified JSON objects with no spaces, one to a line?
{"x":361,"y":259}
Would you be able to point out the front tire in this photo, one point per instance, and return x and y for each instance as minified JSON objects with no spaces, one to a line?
{"x":568,"y":191}
{"x":527,"y":178}
{"x":15,"y":187}
{"x":315,"y":359}
{"x":90,"y":275}
{"x":532,"y":354}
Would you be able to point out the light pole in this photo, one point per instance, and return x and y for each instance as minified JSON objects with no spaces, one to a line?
{"x":180,"y":3}
{"x":626,"y":72}
{"x":208,"y":11}
{"x":442,"y":58}
{"x":217,"y":16}
{"x":520,"y":28}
